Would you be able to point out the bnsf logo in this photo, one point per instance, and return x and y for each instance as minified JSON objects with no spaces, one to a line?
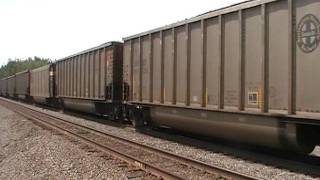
{"x":308,"y":33}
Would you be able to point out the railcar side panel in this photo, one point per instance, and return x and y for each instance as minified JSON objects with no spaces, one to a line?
{"x":146,"y":69}
{"x":195,"y":64}
{"x":3,"y":87}
{"x":40,"y":82}
{"x":232,"y":60}
{"x":6,"y":87}
{"x":156,"y":81}
{"x":136,"y":69}
{"x":67,"y":71}
{"x":78,"y":75}
{"x":127,"y":67}
{"x":181,"y":65}
{"x":83,"y":79}
{"x":97,"y":70}
{"x":278,"y":55}
{"x":102,"y":73}
{"x":11,"y":86}
{"x":213,"y":61}
{"x":253,"y":61}
{"x":110,"y":73}
{"x":91,"y":75}
{"x":87,"y":75}
{"x":168,"y":67}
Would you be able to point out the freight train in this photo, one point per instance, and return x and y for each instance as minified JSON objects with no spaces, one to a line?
{"x":245,"y":73}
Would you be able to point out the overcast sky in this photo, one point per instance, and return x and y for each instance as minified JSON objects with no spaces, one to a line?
{"x":58,"y":28}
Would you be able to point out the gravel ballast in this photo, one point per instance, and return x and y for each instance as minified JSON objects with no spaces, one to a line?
{"x":30,"y":152}
{"x":216,"y":155}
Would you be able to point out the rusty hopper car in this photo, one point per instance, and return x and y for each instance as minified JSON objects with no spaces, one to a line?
{"x":42,"y":86}
{"x":244,"y":73}
{"x":22,"y":85}
{"x":11,"y":83}
{"x":91,"y":81}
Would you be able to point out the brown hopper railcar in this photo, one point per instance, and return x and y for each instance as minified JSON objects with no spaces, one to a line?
{"x":42,"y":85}
{"x":244,"y":73}
{"x":22,"y":85}
{"x":91,"y":81}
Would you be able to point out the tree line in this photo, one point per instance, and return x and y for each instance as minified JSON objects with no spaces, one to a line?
{"x":17,"y":65}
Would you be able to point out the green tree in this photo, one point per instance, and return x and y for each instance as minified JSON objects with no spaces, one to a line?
{"x":18,"y":65}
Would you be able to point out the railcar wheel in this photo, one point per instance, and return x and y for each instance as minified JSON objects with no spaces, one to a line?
{"x":136,"y":117}
{"x":114,"y":114}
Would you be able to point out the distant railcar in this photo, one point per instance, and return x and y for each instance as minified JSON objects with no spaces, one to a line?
{"x":22,"y":85}
{"x":11,"y":86}
{"x":244,"y":73}
{"x":42,"y":85}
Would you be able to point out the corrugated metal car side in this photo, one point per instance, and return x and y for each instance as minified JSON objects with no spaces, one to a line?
{"x":11,"y":86}
{"x":84,"y":75}
{"x":5,"y":90}
{"x":237,"y":58}
{"x":22,"y":83}
{"x":39,"y":82}
{"x":2,"y":87}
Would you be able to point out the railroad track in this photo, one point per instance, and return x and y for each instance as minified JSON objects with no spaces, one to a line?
{"x":151,"y":160}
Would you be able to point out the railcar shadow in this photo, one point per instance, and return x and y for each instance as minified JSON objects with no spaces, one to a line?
{"x":303,"y":164}
{"x":96,"y":118}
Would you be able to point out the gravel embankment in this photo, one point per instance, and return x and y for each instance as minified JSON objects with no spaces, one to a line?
{"x":217,"y":154}
{"x":30,"y":152}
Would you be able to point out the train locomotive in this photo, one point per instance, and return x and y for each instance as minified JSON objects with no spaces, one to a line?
{"x":244,"y":73}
